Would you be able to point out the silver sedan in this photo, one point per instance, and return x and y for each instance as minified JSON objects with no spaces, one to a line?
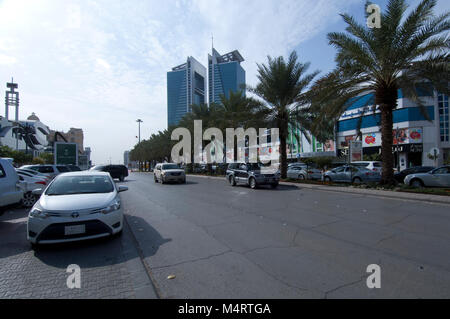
{"x":351,"y":174}
{"x":76,"y":206}
{"x":439,"y":177}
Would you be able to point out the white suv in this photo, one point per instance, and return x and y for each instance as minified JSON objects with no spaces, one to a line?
{"x":10,"y":189}
{"x":371,"y":165}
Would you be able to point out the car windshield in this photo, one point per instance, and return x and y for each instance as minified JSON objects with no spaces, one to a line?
{"x":71,"y":185}
{"x":170,"y":166}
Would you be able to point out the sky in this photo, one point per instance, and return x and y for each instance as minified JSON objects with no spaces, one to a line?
{"x":100,"y":65}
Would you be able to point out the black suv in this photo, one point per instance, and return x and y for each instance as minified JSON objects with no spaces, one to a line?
{"x":252,"y":174}
{"x":116,"y":171}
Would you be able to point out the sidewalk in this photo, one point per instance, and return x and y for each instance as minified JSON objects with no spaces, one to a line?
{"x":371,"y":192}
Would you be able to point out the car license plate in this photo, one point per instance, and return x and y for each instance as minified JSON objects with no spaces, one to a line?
{"x":74,"y":230}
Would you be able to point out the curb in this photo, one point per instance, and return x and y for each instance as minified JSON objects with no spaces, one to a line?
{"x":377,"y":193}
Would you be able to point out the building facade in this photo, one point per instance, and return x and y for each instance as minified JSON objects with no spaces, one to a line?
{"x":414,"y":135}
{"x":30,"y":135}
{"x":225,"y":74}
{"x":186,"y":85}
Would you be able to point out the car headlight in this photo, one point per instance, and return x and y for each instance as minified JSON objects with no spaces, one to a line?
{"x":112,"y":207}
{"x":38,"y":213}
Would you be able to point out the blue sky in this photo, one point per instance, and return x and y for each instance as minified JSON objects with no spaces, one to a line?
{"x":101,"y":64}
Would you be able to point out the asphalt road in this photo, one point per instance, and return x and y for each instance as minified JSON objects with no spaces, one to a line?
{"x":233,"y":242}
{"x":218,"y":241}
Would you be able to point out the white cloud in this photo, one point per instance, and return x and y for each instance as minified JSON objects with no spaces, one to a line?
{"x":100,"y":65}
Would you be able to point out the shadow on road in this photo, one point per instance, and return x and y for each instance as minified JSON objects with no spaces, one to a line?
{"x":88,"y":253}
{"x":104,"y":251}
{"x":280,"y":188}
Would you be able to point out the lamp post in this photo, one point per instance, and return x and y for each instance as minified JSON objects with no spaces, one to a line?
{"x":139,"y":121}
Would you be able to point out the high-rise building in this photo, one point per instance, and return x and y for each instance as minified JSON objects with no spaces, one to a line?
{"x":225,"y":74}
{"x":186,"y":85}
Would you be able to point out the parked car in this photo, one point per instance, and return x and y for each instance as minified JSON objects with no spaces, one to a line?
{"x":400,"y":176}
{"x":116,"y":171}
{"x":438,"y":177}
{"x":35,"y":174}
{"x":169,"y":172}
{"x":351,"y":174}
{"x":28,"y":185}
{"x":10,"y":189}
{"x":76,"y":206}
{"x":252,"y":174}
{"x":371,"y":165}
{"x":47,"y":169}
{"x":73,"y":168}
{"x":302,"y":171}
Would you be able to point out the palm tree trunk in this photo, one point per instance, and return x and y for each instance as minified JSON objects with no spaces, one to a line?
{"x":386,"y":98}
{"x":283,"y":153}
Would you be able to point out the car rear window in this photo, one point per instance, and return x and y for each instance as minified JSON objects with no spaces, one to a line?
{"x":376,"y":164}
{"x":360,"y":164}
{"x":45,"y":169}
{"x":62,"y":169}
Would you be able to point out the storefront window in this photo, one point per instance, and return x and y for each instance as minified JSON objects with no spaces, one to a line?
{"x":443,"y":117}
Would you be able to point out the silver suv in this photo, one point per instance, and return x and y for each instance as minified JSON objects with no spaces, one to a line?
{"x":252,"y":174}
{"x":169,"y":172}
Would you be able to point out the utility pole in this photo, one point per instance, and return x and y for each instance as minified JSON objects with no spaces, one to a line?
{"x":139,"y":121}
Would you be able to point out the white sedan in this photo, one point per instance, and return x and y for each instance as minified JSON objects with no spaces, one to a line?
{"x":76,"y":206}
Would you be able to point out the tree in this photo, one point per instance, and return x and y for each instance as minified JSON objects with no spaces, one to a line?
{"x":406,"y":52}
{"x":281,"y":85}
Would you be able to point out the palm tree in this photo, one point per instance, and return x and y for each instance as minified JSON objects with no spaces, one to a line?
{"x":407,"y":52}
{"x":281,"y":85}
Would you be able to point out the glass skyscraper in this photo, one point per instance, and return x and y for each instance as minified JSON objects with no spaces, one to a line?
{"x":225,"y":74}
{"x":186,"y":85}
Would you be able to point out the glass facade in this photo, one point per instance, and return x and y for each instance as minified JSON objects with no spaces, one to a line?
{"x":176,"y":96}
{"x":443,"y":117}
{"x":185,"y":86}
{"x":225,"y":74}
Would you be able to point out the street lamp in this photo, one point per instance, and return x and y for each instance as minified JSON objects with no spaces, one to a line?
{"x":139,"y":121}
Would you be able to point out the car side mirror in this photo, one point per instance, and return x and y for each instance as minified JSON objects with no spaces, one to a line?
{"x":37,"y":191}
{"x":122,"y":188}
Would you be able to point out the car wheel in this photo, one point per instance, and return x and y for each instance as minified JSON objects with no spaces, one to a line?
{"x":28,"y":199}
{"x":417,"y":183}
{"x":301,"y":177}
{"x":357,"y":181}
{"x":275,"y":185}
{"x":327,"y":179}
{"x":121,"y":178}
{"x":232,"y":180}
{"x":252,"y":183}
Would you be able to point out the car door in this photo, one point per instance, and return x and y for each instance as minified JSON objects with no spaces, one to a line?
{"x":242,"y":173}
{"x":339,"y":174}
{"x":9,"y":191}
{"x":440,"y":177}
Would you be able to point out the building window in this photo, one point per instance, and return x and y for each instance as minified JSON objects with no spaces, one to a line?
{"x":443,"y":117}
